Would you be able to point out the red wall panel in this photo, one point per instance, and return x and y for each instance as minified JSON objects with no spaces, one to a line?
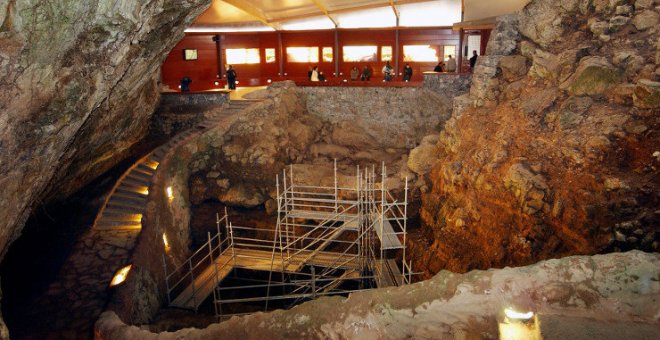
{"x":204,"y":70}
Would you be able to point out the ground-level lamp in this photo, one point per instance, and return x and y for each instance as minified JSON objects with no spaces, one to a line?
{"x":166,"y":243}
{"x":120,"y":276}
{"x":519,"y":325}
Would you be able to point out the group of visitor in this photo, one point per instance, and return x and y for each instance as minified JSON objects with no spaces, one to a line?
{"x":313,"y":74}
{"x":450,"y":65}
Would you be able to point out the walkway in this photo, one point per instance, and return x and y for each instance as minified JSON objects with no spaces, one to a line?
{"x":73,"y":302}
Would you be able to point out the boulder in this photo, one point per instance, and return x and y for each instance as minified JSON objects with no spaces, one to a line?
{"x":594,"y":76}
{"x":647,"y":94}
{"x":530,"y":189}
{"x":422,"y":158}
{"x":617,"y":22}
{"x":597,"y":27}
{"x":540,"y":101}
{"x":644,"y":4}
{"x":242,"y":196}
{"x":646,"y":20}
{"x":545,"y":65}
{"x":505,"y":36}
{"x":513,"y":67}
{"x":542,"y":21}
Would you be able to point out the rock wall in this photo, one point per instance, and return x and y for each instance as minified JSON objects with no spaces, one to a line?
{"x":177,"y":112}
{"x":447,"y":84}
{"x":79,"y":83}
{"x":554,"y":150}
{"x":617,"y":293}
{"x":395,"y":117}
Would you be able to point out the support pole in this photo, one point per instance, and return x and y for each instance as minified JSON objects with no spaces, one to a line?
{"x":336,"y":53}
{"x":280,"y":50}
{"x":218,"y":51}
{"x":460,"y":51}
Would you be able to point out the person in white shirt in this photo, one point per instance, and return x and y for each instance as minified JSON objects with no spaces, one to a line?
{"x":315,"y":74}
{"x":451,"y":64}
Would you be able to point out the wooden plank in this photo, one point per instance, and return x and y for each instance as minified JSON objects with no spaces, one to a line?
{"x":204,"y":285}
{"x":321,"y":215}
{"x":387,"y":237}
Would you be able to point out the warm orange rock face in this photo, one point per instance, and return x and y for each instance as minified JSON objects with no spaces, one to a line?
{"x":554,"y":155}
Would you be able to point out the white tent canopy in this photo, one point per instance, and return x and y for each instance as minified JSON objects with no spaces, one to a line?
{"x":265,"y":15}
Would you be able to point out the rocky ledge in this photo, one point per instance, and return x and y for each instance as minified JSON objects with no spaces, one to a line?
{"x":572,"y":295}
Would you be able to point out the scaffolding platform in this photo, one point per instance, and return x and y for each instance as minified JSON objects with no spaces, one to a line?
{"x":327,"y":240}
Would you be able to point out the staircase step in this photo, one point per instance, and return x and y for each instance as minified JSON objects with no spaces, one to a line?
{"x":128,"y":209}
{"x":122,"y":197}
{"x":151,"y":164}
{"x":111,"y":214}
{"x":144,"y":168}
{"x":140,"y":191}
{"x":118,"y":226}
{"x":134,"y":182}
{"x":140,"y":176}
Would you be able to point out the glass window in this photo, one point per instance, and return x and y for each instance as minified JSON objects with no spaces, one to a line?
{"x":449,"y":51}
{"x":189,"y":54}
{"x":302,"y":54}
{"x":270,"y":55}
{"x":474,"y":44}
{"x":360,"y":53}
{"x":386,"y":53}
{"x":420,"y":53}
{"x":236,"y":56}
{"x":327,"y":54}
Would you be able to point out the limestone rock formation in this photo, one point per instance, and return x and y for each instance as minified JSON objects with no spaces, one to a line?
{"x":305,"y":126}
{"x":79,"y":82}
{"x":615,"y":294}
{"x":559,"y":160}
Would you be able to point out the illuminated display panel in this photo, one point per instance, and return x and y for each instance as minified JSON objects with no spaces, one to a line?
{"x":327,"y":54}
{"x":190,"y":54}
{"x":386,"y":53}
{"x":302,"y":54}
{"x":237,"y":56}
{"x":270,"y":55}
{"x":419,"y":53}
{"x":449,"y":51}
{"x":360,"y":53}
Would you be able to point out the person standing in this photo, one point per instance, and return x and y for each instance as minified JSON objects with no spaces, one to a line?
{"x":473,"y":60}
{"x":451,"y":64}
{"x":355,"y":73}
{"x":387,"y":72}
{"x":407,"y":73}
{"x":309,"y":73}
{"x":231,"y":78}
{"x":315,"y":74}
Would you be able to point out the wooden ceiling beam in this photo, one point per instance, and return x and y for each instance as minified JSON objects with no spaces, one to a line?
{"x":396,"y":12}
{"x":250,"y":9}
{"x":321,"y":6}
{"x":347,"y":9}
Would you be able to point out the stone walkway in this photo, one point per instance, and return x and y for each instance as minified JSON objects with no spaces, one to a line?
{"x":74,"y":301}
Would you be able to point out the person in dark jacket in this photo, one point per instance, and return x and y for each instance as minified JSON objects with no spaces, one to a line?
{"x":473,"y":60}
{"x":184,"y":84}
{"x":231,"y":78}
{"x":438,"y":68}
{"x":366,"y":73}
{"x":321,"y":76}
{"x":407,"y":72}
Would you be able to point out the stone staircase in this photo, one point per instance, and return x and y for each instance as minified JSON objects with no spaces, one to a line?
{"x":124,"y":206}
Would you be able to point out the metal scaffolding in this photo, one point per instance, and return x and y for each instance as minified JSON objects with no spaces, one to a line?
{"x":328,"y":240}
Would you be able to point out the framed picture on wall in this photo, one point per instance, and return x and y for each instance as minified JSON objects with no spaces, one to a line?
{"x":190,"y":54}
